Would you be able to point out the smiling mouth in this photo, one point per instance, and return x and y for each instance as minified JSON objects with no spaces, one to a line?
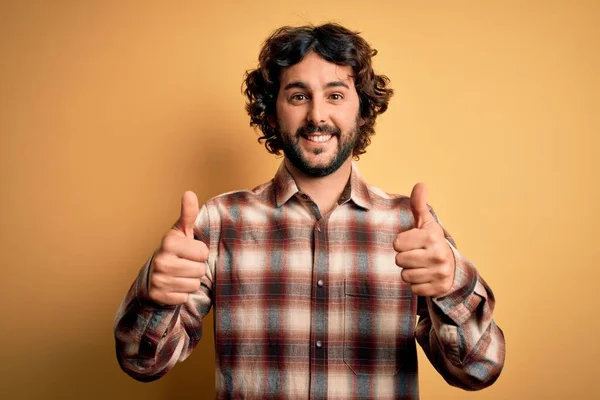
{"x":317,"y":138}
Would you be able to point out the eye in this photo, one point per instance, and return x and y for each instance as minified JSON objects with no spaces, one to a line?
{"x":336,"y":96}
{"x":298,"y":97}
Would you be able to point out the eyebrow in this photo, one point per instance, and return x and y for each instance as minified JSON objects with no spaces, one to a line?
{"x":302,"y":85}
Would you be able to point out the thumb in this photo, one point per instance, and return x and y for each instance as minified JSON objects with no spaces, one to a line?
{"x":189,"y":213}
{"x":418,"y":205}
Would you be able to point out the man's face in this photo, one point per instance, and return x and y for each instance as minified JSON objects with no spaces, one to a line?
{"x":317,"y":115}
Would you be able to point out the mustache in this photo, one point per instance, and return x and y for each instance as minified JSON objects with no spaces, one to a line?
{"x":312,"y":128}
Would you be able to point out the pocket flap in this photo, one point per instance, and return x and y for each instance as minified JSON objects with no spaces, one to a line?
{"x":376,"y":288}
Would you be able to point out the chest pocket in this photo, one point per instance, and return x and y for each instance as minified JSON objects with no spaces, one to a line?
{"x":379,"y":321}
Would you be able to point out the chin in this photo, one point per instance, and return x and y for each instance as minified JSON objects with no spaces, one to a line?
{"x":319,"y":165}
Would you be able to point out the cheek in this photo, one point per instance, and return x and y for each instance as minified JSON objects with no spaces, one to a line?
{"x":290,"y":118}
{"x":346,"y":122}
{"x":347,"y":115}
{"x":279,"y":106}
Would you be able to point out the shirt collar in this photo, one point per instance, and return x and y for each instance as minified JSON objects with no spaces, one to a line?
{"x":285,"y":187}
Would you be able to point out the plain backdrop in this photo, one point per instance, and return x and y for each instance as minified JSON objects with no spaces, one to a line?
{"x":109,"y":110}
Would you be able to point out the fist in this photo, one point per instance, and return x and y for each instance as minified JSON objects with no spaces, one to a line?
{"x":425,"y":257}
{"x":179,"y":264}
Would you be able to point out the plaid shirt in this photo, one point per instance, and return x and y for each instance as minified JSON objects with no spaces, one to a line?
{"x":312,"y":306}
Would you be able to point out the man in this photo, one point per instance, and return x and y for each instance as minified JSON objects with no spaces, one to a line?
{"x":317,"y":277}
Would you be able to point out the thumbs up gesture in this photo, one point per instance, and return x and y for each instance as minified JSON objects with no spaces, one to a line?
{"x":423,"y":253}
{"x":179,"y":264}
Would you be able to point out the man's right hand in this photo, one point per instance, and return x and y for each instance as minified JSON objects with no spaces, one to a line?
{"x":179,"y":264}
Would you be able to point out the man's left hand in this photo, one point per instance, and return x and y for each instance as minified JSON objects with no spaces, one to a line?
{"x":423,"y":253}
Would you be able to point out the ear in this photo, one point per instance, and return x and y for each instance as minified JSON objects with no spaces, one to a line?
{"x":271,"y":121}
{"x":362,"y":121}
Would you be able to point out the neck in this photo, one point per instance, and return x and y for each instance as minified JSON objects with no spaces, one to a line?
{"x":326,"y":190}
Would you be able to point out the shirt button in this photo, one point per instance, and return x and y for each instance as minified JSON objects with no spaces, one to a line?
{"x":318,"y":228}
{"x":319,"y":344}
{"x":320,"y":283}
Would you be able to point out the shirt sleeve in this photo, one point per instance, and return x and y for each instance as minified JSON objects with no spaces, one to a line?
{"x":151,"y":338}
{"x":457,"y":332}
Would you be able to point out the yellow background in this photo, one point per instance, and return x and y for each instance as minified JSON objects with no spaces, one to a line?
{"x":109,"y":110}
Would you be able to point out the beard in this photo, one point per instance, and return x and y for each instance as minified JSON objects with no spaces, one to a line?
{"x":345,"y":146}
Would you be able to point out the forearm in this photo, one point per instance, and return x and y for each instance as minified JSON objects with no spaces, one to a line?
{"x":149,"y":338}
{"x":464,"y":359}
{"x":143,"y":350}
{"x":458,"y":334}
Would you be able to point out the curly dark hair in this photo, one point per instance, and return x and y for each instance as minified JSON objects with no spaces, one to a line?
{"x":287,"y":46}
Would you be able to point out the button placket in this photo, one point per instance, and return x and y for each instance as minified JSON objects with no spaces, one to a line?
{"x":319,"y":305}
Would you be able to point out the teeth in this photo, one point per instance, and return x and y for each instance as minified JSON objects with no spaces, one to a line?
{"x":319,"y":138}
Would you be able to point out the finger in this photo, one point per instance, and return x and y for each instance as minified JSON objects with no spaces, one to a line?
{"x":171,"y":299}
{"x":423,"y":289}
{"x":416,"y":276}
{"x":418,"y":205}
{"x":193,"y":250}
{"x":412,"y":259}
{"x":184,"y":285}
{"x":182,"y":268}
{"x":411,"y":240}
{"x":189,"y":213}
{"x":169,"y":265}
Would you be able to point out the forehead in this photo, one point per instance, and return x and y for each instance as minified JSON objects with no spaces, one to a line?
{"x":315,"y":71}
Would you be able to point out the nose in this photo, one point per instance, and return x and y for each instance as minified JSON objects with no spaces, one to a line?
{"x":316,"y":113}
